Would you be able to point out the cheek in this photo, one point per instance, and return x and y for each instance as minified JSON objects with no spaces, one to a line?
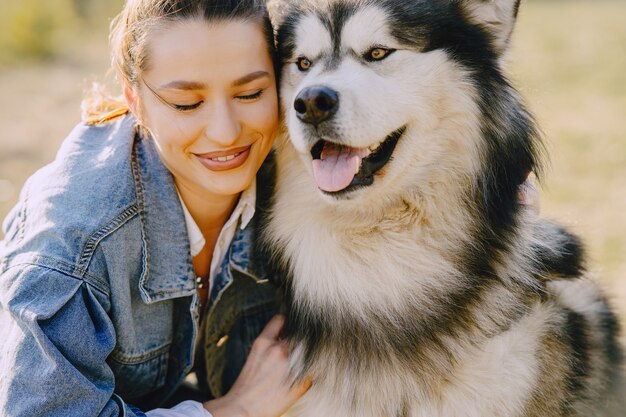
{"x":172,"y":133}
{"x":263,"y":118}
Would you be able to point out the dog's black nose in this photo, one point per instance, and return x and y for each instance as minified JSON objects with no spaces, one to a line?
{"x":316,"y":104}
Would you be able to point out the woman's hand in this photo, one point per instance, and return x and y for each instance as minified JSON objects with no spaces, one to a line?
{"x":263,"y":388}
{"x":529,"y":194}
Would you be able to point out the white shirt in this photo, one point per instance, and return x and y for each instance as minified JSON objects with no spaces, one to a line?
{"x":184,"y":409}
{"x":242,"y":214}
{"x":244,"y":211}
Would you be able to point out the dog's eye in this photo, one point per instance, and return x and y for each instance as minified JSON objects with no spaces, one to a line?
{"x":378,"y":54}
{"x":304,"y":63}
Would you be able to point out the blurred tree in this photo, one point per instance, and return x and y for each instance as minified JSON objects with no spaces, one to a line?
{"x":94,"y":10}
{"x":32,"y":28}
{"x":39,"y":29}
{"x":83,"y":7}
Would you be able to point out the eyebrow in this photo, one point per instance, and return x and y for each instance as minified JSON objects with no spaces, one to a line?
{"x":250,"y":77}
{"x":183,"y":85}
{"x":193,"y":85}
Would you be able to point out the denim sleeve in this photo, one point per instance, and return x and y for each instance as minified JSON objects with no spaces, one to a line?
{"x":55,"y":338}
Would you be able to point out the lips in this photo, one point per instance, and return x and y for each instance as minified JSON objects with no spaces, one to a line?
{"x":338,"y":168}
{"x":224,"y":160}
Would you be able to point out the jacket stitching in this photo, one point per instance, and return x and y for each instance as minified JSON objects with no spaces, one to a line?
{"x":65,"y":269}
{"x":92,"y":243}
{"x":123,"y":359}
{"x":140,"y":203}
{"x":77,"y":273}
{"x":21,"y":225}
{"x":180,"y":291}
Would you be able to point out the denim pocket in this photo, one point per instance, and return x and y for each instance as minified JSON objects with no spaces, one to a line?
{"x":235,"y":321}
{"x":136,"y":376}
{"x":240,"y":339}
{"x":254,"y":320}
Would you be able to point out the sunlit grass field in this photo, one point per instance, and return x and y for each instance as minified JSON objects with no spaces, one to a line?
{"x":568,"y":59}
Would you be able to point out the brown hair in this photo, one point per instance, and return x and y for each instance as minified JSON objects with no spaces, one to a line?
{"x":128,"y":42}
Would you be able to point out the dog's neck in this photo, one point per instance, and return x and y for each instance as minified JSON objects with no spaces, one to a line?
{"x":411,"y":241}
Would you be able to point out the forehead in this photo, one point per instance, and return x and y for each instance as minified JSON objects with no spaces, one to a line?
{"x":354,"y":28}
{"x":356,"y":24}
{"x":196,"y":49}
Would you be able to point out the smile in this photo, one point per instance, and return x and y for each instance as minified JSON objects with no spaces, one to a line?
{"x":224,"y":160}
{"x":340,"y":169}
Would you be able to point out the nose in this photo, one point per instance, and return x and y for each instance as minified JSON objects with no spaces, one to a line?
{"x":223,"y":126}
{"x":316,"y":104}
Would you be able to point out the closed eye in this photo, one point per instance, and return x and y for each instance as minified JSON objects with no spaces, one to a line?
{"x":250,"y":97}
{"x":186,"y":107}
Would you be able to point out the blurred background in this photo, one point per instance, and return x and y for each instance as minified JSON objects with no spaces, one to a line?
{"x":568,"y":59}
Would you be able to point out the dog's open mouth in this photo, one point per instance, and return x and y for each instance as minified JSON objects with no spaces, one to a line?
{"x":340,"y":168}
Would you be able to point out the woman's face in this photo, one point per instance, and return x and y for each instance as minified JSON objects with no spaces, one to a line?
{"x":209,"y":98}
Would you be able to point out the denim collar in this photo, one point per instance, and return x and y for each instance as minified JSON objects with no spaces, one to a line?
{"x":167,"y":265}
{"x":241,"y":252}
{"x":244,"y":253}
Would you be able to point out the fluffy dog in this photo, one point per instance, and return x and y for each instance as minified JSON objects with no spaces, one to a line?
{"x":416,"y":285}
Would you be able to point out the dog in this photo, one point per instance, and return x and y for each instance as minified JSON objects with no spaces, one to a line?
{"x":415,"y":283}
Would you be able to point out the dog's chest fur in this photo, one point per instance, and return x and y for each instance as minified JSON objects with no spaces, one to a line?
{"x":389,"y":337}
{"x":381,"y":308}
{"x":450,"y":380}
{"x":384,"y":313}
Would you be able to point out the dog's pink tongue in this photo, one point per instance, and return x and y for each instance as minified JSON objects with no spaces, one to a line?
{"x":336,"y":168}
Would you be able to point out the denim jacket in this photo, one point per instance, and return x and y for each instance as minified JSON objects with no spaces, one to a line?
{"x":98,"y":300}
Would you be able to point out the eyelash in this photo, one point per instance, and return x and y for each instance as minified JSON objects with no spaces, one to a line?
{"x":190,"y":107}
{"x":185,"y":108}
{"x":252,"y":96}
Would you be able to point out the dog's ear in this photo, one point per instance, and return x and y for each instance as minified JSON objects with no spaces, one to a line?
{"x":277,"y":10}
{"x":497,"y":17}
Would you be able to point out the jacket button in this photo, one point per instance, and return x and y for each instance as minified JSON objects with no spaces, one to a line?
{"x":222,"y":340}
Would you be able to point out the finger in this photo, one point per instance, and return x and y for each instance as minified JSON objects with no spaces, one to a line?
{"x":299,"y":388}
{"x":529,"y":195}
{"x":273,"y":328}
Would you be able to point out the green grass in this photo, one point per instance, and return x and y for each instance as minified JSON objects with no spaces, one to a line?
{"x":568,"y":59}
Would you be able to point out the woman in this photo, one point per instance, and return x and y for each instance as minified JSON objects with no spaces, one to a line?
{"x":130,"y":252}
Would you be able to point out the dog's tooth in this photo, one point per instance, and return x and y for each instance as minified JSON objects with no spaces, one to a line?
{"x":357,"y":165}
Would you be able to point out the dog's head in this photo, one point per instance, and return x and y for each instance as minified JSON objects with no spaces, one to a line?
{"x":384,"y":95}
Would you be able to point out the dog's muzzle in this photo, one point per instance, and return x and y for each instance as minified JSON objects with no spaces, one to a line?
{"x":339,"y":169}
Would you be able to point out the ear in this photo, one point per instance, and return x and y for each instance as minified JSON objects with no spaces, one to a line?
{"x":132,"y":99}
{"x":497,"y":17}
